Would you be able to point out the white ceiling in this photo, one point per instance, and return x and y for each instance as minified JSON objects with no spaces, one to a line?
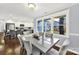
{"x":19,"y":10}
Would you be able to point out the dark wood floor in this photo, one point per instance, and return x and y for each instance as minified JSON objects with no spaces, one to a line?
{"x":9,"y":46}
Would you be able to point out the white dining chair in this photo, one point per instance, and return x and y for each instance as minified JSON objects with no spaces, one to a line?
{"x":63,"y":47}
{"x":61,"y":50}
{"x":31,"y":49}
{"x":18,"y":49}
{"x":27,"y":45}
{"x":20,"y":40}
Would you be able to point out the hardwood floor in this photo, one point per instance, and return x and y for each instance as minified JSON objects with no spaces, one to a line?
{"x":11,"y":46}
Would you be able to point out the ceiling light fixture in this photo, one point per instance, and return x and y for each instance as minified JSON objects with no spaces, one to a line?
{"x":31,"y":6}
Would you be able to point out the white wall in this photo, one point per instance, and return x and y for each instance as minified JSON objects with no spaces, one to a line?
{"x":74,"y":26}
{"x":2,"y":27}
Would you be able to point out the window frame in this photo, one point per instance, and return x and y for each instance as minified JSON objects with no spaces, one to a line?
{"x":59,"y":13}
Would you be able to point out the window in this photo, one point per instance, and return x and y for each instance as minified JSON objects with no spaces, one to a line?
{"x":59,"y":25}
{"x":39,"y":26}
{"x":47,"y":25}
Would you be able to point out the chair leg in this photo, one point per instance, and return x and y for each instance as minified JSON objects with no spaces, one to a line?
{"x":23,"y":51}
{"x":40,"y":53}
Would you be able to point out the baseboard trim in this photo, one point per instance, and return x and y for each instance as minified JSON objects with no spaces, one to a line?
{"x":74,"y":34}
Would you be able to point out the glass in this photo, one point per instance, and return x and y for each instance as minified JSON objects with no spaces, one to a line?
{"x":39,"y":26}
{"x":60,"y":25}
{"x":47,"y":25}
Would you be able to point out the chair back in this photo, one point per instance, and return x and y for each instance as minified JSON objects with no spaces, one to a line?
{"x":63,"y":47}
{"x":28,"y":47}
{"x":20,"y":40}
{"x":41,"y":34}
{"x":49,"y":36}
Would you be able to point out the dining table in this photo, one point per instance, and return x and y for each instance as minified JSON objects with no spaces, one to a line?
{"x":43,"y":47}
